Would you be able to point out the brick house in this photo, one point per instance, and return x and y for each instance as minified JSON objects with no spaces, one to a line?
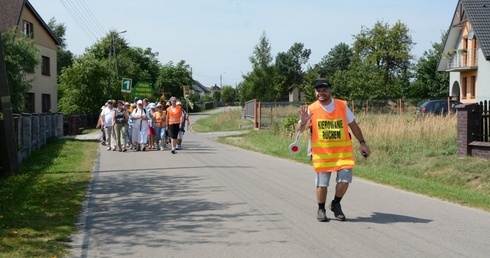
{"x":20,"y":14}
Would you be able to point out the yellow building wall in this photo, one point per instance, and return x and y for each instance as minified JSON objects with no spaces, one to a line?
{"x":42,"y":84}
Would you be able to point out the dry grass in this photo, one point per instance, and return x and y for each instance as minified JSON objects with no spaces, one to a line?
{"x":395,"y":135}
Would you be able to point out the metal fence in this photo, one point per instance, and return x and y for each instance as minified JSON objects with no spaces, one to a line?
{"x":264,"y":114}
{"x":482,"y":121}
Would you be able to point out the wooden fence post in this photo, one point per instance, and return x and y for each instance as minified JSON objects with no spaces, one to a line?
{"x":259,"y":114}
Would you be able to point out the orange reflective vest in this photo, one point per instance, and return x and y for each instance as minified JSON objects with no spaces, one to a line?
{"x":174,"y":115}
{"x":331,"y":147}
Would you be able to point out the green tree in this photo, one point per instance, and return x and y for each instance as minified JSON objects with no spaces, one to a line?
{"x":290,"y":67}
{"x":261,"y":81}
{"x":217,"y":96}
{"x":429,"y":83}
{"x":311,"y":76}
{"x":207,"y":98}
{"x":173,"y":77}
{"x":384,"y":51}
{"x":65,"y":57}
{"x":363,"y":80}
{"x":93,"y":77}
{"x":141,"y":65}
{"x":81,"y":85}
{"x":229,"y":94}
{"x":337,"y":59}
{"x":21,"y":56}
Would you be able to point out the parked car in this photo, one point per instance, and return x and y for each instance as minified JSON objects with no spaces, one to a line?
{"x":437,"y":107}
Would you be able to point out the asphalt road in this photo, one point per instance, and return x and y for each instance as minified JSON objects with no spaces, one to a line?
{"x":214,"y":200}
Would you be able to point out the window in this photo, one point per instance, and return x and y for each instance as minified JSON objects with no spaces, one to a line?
{"x":46,"y":103}
{"x":28,"y":29}
{"x":45,"y":66}
{"x":30,"y":103}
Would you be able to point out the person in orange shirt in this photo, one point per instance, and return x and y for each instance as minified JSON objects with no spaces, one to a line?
{"x":174,"y":120}
{"x":159,"y":123}
{"x":331,"y":146}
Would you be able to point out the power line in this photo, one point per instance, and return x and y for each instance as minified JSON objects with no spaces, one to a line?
{"x":93,"y":18}
{"x":79,"y":22}
{"x":85,"y":19}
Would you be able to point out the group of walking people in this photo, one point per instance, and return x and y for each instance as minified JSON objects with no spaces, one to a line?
{"x":142,"y":125}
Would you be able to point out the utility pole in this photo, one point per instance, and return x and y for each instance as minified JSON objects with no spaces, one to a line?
{"x":112,"y":52}
{"x":9,"y":162}
{"x":221,"y":86}
{"x":111,"y":45}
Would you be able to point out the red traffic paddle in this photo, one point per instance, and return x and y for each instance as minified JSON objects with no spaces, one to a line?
{"x":294,"y":148}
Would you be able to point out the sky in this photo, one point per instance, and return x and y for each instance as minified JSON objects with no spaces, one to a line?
{"x":217,"y":37}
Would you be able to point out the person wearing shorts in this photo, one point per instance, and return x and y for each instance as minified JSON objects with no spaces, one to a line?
{"x":180,"y":136}
{"x":159,"y":120}
{"x":174,"y":120}
{"x":331,"y":148}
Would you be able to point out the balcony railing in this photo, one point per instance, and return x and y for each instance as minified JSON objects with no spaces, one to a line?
{"x":463,"y":59}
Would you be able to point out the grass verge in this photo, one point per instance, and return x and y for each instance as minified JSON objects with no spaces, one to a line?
{"x":40,"y":205}
{"x":408,"y":152}
{"x":225,"y":121}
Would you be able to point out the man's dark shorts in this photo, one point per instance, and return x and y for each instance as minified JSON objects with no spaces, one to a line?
{"x":173,"y":130}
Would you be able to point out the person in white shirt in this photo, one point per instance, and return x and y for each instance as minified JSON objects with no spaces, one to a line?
{"x":140,"y":126}
{"x":107,"y":122}
{"x":331,"y":150}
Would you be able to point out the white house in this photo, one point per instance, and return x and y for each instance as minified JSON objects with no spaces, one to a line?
{"x":466,"y":54}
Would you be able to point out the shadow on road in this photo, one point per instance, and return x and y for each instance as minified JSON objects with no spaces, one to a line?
{"x":387,"y":218}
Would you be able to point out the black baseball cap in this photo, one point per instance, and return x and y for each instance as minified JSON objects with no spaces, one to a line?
{"x":322,"y":83}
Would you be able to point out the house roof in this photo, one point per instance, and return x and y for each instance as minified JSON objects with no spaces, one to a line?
{"x":197,"y":86}
{"x":11,"y":13}
{"x":478,"y":12}
{"x":215,"y":88}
